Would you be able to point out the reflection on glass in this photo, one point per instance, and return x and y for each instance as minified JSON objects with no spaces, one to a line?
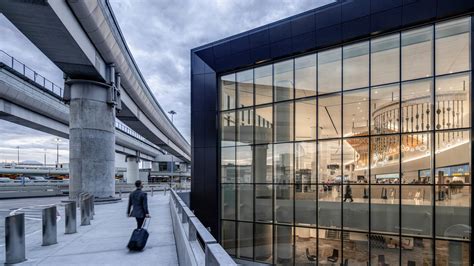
{"x":356,"y":248}
{"x":417,"y":210}
{"x":228,"y":128}
{"x":385,"y":208}
{"x":305,"y":249}
{"x":305,"y":164}
{"x":416,"y":158}
{"x":385,"y":249}
{"x":384,"y":161}
{"x":228,"y":201}
{"x":244,"y":164}
{"x":283,"y":121}
{"x":283,"y":163}
{"x":356,"y":160}
{"x":385,"y":104}
{"x":356,"y":113}
{"x":284,"y":204}
{"x":452,"y":108}
{"x":305,"y":119}
{"x":263,"y":157}
{"x":263,"y":243}
{"x":417,"y":251}
{"x":263,"y":203}
{"x":245,"y":240}
{"x":227,"y":92}
{"x":263,"y":84}
{"x":305,"y":76}
{"x":329,"y":246}
{"x":228,"y":165}
{"x":245,"y":88}
{"x":283,"y":80}
{"x":245,"y":202}
{"x":305,"y":204}
{"x":356,"y":207}
{"x":329,"y":71}
{"x":417,"y":53}
{"x":263,"y":124}
{"x":329,"y":116}
{"x":452,"y":253}
{"x":385,"y":59}
{"x":228,"y":237}
{"x":329,"y":161}
{"x":245,"y":126}
{"x":356,"y":66}
{"x":416,"y":105}
{"x":453,"y":46}
{"x":283,"y":245}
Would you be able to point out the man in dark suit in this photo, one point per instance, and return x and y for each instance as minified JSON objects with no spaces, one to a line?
{"x":137,"y":204}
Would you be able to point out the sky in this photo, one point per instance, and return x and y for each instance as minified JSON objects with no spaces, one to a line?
{"x":160,"y":35}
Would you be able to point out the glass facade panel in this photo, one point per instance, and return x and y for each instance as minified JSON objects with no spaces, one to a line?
{"x":356,"y":113}
{"x":283,"y":80}
{"x":358,"y":155}
{"x":284,"y":126}
{"x":245,"y":88}
{"x":228,"y":165}
{"x":356,"y":66}
{"x":305,"y":119}
{"x":244,"y":164}
{"x":245,"y":126}
{"x":263,"y":124}
{"x":305,"y":76}
{"x":227,"y":92}
{"x":329,"y":71}
{"x":263,"y":84}
{"x":417,"y":53}
{"x":453,"y":46}
{"x":329,"y":116}
{"x":385,"y":59}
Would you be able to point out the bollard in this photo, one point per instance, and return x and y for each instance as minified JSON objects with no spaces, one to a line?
{"x":120,"y":192}
{"x":152,"y":191}
{"x":50,"y":232}
{"x":15,"y":238}
{"x":85,"y":218}
{"x":70,"y":223}
{"x":90,"y":202}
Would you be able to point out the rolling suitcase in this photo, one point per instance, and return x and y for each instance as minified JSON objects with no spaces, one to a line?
{"x":139,"y":237}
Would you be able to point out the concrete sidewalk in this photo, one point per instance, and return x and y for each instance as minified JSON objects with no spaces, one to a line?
{"x":104,"y":241}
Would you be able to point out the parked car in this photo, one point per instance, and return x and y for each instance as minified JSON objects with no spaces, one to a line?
{"x":5,"y":180}
{"x":22,"y":179}
{"x":38,"y":179}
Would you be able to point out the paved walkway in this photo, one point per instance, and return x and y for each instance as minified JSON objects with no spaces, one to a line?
{"x":104,"y":241}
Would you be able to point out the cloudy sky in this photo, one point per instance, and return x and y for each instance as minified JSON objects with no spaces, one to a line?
{"x":160,"y":34}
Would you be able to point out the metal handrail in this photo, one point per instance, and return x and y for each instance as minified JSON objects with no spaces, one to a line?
{"x":206,"y":249}
{"x":29,"y":73}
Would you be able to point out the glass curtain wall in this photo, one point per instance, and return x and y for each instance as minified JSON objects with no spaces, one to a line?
{"x":356,"y":155}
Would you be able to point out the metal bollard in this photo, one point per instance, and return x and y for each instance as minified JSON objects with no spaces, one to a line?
{"x":120,"y":192}
{"x":152,"y":191}
{"x":15,"y":238}
{"x":50,"y":232}
{"x":85,"y":218}
{"x":90,"y":201}
{"x":70,"y":223}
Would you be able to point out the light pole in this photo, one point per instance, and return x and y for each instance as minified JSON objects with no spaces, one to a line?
{"x":57,"y":151}
{"x":172,"y":113}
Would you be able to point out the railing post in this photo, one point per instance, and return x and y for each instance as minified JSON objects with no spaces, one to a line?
{"x":50,"y":233}
{"x":85,"y":218}
{"x":70,"y":223}
{"x":15,"y":238}
{"x":90,"y":203}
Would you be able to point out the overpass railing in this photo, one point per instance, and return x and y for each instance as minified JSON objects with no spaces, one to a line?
{"x":195,"y":244}
{"x":11,"y":62}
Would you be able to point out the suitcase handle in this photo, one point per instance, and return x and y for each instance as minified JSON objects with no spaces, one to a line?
{"x":144,"y":222}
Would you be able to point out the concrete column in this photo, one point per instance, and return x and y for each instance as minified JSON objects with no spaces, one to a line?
{"x":155,"y":166}
{"x":260,"y":152}
{"x":132,"y":169}
{"x":91,"y":140}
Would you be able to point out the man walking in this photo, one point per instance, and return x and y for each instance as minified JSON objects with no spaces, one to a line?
{"x":348,"y":194}
{"x":137,"y":204}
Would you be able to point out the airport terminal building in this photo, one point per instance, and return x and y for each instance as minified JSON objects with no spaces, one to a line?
{"x":339,"y":135}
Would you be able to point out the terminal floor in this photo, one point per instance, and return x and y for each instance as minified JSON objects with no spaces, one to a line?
{"x":104,"y":241}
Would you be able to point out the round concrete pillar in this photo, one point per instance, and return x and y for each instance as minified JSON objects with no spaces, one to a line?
{"x":91,"y":140}
{"x":132,"y":169}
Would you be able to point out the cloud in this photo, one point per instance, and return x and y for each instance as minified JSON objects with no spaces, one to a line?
{"x":160,"y":35}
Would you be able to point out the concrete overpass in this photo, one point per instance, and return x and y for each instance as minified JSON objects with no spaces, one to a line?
{"x":102,"y":82}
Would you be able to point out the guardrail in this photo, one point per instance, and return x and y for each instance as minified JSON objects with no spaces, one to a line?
{"x":195,"y":244}
{"x":21,"y":68}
